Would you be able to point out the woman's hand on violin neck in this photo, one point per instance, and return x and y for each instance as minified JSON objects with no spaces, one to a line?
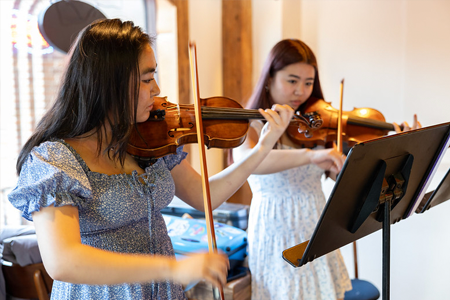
{"x":328,"y":159}
{"x":278,"y":119}
{"x":212,"y":267}
{"x":405,"y":126}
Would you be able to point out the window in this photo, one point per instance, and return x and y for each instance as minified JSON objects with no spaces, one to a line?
{"x":31,"y":71}
{"x":30,"y":75}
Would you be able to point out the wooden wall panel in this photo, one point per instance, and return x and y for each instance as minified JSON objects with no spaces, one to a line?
{"x":237,"y":64}
{"x":237,"y":49}
{"x":183,"y":54}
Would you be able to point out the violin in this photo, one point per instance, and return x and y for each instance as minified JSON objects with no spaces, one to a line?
{"x":225,"y":125}
{"x":358,"y":125}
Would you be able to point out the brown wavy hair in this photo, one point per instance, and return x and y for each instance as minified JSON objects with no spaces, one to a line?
{"x":99,"y":87}
{"x":284,"y":53}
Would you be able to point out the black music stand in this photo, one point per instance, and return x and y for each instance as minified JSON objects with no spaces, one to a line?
{"x":436,"y":197}
{"x":380,"y":184}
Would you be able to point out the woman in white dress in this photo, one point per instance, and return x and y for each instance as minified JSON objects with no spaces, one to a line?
{"x":287,"y":193}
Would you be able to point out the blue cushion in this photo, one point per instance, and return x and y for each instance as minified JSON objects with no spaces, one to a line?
{"x":362,"y":290}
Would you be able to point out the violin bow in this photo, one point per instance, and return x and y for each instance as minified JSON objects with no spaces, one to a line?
{"x":212,"y":245}
{"x":340,"y":149}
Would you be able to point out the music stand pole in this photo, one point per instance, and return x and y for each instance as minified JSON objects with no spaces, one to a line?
{"x":386,"y":251}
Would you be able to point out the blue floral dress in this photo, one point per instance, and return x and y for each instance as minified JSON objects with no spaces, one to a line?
{"x":285,"y":209}
{"x":119,"y":213}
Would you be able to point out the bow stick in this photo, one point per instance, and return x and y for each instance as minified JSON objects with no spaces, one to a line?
{"x":340,"y":149}
{"x":339,"y":129}
{"x":212,"y":246}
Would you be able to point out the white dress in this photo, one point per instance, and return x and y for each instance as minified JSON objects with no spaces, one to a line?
{"x":285,"y":209}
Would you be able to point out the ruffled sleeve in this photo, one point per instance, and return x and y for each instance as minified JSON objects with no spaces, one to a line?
{"x":51,"y":175}
{"x":174,"y":159}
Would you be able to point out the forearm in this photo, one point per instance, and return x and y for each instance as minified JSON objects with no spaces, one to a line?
{"x":284,"y":159}
{"x":224,"y":184}
{"x":255,"y":161}
{"x":87,"y":265}
{"x":67,"y":259}
{"x":277,"y":160}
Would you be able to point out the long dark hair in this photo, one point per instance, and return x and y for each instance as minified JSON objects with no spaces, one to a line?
{"x":284,"y":53}
{"x":99,"y":87}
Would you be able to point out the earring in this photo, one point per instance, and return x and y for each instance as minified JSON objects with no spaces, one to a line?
{"x":267,"y":88}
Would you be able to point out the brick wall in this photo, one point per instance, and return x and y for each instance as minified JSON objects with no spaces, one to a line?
{"x":30,"y":75}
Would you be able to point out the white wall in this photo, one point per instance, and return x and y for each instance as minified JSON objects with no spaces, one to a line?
{"x":394,"y":57}
{"x":125,"y":10}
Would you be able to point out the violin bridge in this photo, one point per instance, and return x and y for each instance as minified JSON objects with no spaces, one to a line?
{"x":170,"y":133}
{"x":180,"y":129}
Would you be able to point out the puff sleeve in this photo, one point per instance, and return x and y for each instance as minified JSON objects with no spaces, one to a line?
{"x":51,"y":175}
{"x":173,"y":160}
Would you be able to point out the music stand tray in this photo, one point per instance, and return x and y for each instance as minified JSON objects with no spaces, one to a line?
{"x":381,"y":183}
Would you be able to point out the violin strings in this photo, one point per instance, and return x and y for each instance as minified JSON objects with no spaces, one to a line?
{"x":230,"y":113}
{"x":221,"y":112}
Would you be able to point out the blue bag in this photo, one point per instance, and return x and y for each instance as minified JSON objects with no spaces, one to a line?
{"x":190,"y":235}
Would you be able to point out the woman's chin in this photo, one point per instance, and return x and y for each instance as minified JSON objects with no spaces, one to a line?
{"x":143,"y":118}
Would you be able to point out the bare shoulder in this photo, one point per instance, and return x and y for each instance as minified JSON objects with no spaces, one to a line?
{"x":87,"y":147}
{"x":101,"y":162}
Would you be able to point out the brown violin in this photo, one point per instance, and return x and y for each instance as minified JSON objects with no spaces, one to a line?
{"x":358,"y":125}
{"x":225,"y":125}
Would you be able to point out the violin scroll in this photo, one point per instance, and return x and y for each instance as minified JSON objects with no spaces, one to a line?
{"x":309,"y":122}
{"x":358,"y":125}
